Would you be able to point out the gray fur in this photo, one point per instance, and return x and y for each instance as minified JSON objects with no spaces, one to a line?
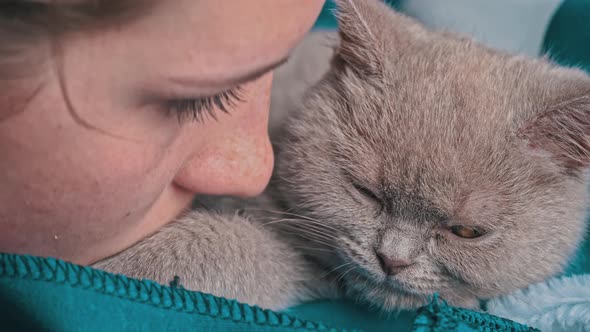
{"x":223,"y":254}
{"x":442,"y":131}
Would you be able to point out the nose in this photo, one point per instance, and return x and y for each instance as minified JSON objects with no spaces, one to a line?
{"x":232,"y":156}
{"x":392,"y":266}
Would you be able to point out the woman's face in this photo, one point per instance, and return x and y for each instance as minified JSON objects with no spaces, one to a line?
{"x":90,"y":169}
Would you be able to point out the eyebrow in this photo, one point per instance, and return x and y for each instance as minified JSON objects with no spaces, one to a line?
{"x":236,"y":80}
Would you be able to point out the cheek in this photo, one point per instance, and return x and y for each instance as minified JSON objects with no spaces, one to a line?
{"x":488,"y":266}
{"x":80,"y":181}
{"x":128,"y":180}
{"x":125,"y":184}
{"x":56,"y":165}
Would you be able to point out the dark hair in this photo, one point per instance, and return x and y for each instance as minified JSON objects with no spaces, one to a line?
{"x":26,"y":25}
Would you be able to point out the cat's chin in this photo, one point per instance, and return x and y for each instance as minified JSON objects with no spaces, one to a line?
{"x":392,"y":296}
{"x":391,"y":301}
{"x":384,"y":297}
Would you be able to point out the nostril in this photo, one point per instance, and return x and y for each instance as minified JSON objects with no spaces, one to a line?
{"x":392,"y":266}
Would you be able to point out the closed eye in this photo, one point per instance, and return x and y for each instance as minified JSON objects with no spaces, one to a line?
{"x":198,"y":108}
{"x":370,"y":195}
{"x":366,"y":192}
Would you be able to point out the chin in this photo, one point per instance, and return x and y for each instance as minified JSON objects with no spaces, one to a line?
{"x":383,"y":297}
{"x":390,"y":295}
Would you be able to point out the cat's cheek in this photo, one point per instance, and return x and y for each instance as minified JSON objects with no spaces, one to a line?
{"x":442,"y":253}
{"x":449,"y":256}
{"x":437,"y":240}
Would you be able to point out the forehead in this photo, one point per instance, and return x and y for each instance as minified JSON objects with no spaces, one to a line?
{"x":455,"y":83}
{"x":212,"y":39}
{"x":446,"y":103}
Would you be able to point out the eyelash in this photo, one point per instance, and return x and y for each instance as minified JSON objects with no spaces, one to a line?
{"x":197,"y":109}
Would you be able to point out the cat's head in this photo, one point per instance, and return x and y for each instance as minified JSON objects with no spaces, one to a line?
{"x":430,"y":163}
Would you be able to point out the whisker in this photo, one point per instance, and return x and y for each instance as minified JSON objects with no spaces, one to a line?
{"x":318,"y":224}
{"x":298,"y":216}
{"x":336,"y":268}
{"x":276,"y":221}
{"x":299,"y":222}
{"x":313,"y":240}
{"x":345,"y":273}
{"x":304,"y":224}
{"x":310,"y":248}
{"x":309,"y":231}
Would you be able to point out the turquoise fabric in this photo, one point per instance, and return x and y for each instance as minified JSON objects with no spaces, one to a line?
{"x":45,"y":294}
{"x":567,"y":39}
{"x":327,"y":20}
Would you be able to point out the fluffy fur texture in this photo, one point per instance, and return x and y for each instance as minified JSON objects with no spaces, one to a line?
{"x":409,"y":133}
{"x":560,"y":304}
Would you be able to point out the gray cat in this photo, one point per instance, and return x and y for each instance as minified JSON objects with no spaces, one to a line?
{"x":420,"y":163}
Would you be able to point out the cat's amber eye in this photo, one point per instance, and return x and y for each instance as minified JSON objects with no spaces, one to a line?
{"x":467,"y":232}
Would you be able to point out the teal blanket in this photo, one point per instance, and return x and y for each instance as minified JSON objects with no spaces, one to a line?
{"x":45,"y":294}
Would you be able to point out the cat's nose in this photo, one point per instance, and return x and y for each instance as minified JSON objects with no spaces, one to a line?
{"x":392,"y":266}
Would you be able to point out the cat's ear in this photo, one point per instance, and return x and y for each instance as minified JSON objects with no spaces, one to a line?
{"x":360,"y":47}
{"x":563,"y":131}
{"x":371,"y":33}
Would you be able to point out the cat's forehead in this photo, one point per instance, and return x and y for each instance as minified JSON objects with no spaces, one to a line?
{"x":451,"y":104}
{"x":406,"y":83}
{"x":460,"y":78}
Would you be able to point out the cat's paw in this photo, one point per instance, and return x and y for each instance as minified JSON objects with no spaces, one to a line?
{"x":220,"y":254}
